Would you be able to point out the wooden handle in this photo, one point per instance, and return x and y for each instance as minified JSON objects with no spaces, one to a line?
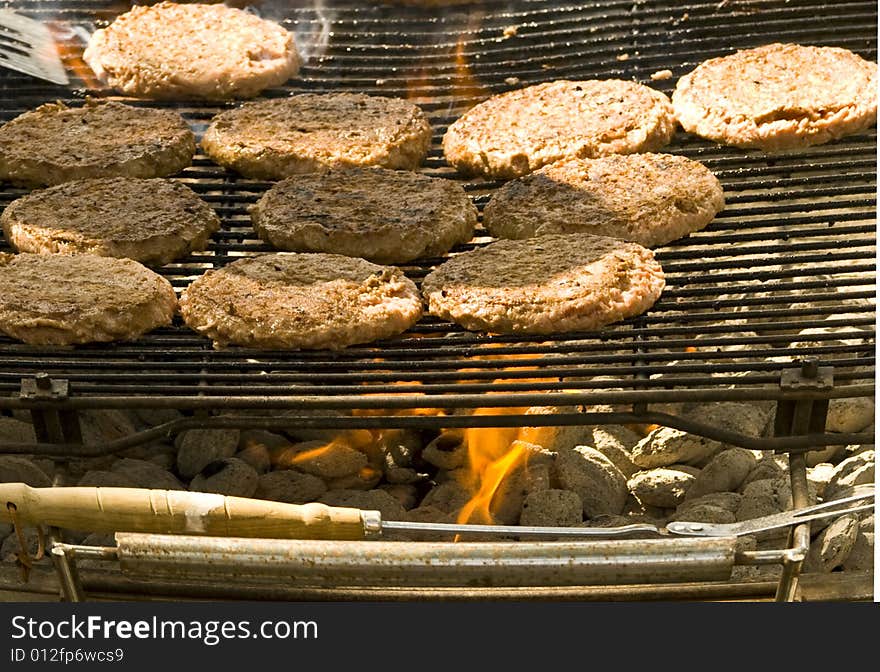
{"x":177,"y":512}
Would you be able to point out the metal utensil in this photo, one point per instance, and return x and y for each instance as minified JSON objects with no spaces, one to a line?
{"x":180,"y":512}
{"x":27,"y":46}
{"x":835,"y":507}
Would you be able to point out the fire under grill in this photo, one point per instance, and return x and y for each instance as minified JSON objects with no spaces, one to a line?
{"x":773,"y":301}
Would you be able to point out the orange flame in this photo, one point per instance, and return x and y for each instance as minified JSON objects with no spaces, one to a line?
{"x":424,"y":85}
{"x":289,"y":456}
{"x":465,"y":85}
{"x":492,"y":474}
{"x":493,"y":454}
{"x":70,"y":50}
{"x":313,"y":454}
{"x":367,"y":472}
{"x":369,"y":412}
{"x":492,"y":457}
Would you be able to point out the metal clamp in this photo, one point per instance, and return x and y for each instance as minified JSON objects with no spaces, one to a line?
{"x":43,"y":387}
{"x":809,"y":376}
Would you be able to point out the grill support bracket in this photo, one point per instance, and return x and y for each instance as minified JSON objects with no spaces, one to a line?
{"x":51,"y":425}
{"x":794,"y":418}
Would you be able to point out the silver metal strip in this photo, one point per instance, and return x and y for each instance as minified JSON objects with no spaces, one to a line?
{"x":383,"y":563}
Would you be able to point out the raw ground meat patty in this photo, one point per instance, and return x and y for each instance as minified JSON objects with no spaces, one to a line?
{"x":779,"y":96}
{"x":519,"y":131}
{"x":171,"y":50}
{"x":57,"y":299}
{"x":287,"y":300}
{"x":650,"y":199}
{"x":545,"y":285}
{"x":55,"y":143}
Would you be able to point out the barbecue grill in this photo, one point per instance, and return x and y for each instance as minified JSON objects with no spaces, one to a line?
{"x":793,"y":250}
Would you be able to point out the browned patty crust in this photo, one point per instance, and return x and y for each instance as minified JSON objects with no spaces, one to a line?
{"x":171,"y":50}
{"x":151,"y":221}
{"x":549,"y":284}
{"x":63,"y":300}
{"x":55,"y":143}
{"x":384,"y":216}
{"x":650,"y":199}
{"x":779,"y":96}
{"x":273,"y":139}
{"x":519,"y":131}
{"x":287,"y":300}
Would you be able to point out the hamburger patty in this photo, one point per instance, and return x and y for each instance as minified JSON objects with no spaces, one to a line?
{"x":171,"y":50}
{"x":384,"y":216}
{"x":286,"y":300}
{"x":55,"y":143}
{"x":151,"y":221}
{"x":545,"y":285}
{"x":778,"y":96}
{"x":650,"y":199}
{"x":273,"y":139}
{"x":62,"y":300}
{"x":519,"y":131}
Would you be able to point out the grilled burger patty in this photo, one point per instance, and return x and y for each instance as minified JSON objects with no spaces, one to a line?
{"x":778,"y":96}
{"x":650,"y":199}
{"x":287,"y":300}
{"x":62,"y":300}
{"x":384,"y":216}
{"x":273,"y":139}
{"x":171,"y":50}
{"x":151,"y":221}
{"x":55,"y":143}
{"x":549,"y":284}
{"x":519,"y":131}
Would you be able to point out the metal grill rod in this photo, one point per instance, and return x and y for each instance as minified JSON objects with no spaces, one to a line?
{"x":166,"y":430}
{"x":378,"y":563}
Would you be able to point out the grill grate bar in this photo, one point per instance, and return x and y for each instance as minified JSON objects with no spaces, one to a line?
{"x":559,"y":366}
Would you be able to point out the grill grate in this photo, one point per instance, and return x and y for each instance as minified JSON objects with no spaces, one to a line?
{"x":793,"y":250}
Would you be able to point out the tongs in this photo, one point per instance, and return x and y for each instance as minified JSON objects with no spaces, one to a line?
{"x":829,"y":509}
{"x":837,"y":507}
{"x":141,"y":510}
{"x":27,"y":46}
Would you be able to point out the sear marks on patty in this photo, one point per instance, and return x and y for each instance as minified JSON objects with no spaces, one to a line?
{"x":273,"y":139}
{"x":55,"y":143}
{"x":545,"y":285}
{"x":58,"y":299}
{"x":384,"y":216}
{"x":151,"y":221}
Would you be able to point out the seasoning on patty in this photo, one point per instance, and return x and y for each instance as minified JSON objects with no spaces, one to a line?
{"x":273,"y":139}
{"x":286,"y":300}
{"x":55,"y":143}
{"x":384,"y":216}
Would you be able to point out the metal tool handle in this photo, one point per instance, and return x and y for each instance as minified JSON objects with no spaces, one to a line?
{"x":523,"y":531}
{"x":179,"y":512}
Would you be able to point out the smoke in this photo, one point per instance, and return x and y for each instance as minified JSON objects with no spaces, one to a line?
{"x":312,"y":28}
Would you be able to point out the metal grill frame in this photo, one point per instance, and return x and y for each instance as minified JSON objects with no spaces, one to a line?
{"x":809,"y":193}
{"x":819,"y":203}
